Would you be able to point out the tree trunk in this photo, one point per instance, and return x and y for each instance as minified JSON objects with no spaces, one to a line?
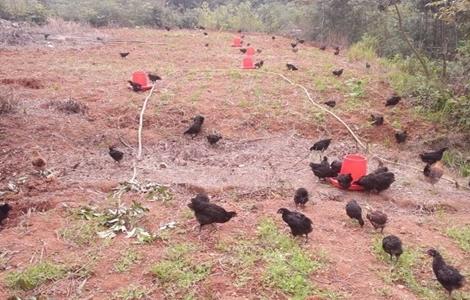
{"x":410,"y":44}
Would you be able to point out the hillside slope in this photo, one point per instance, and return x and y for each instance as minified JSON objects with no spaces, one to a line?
{"x":267,"y":124}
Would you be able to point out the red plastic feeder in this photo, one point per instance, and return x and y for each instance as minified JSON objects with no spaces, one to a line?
{"x":141,"y":78}
{"x":353,"y":164}
{"x":250,"y":51}
{"x":237,"y":42}
{"x":248,"y":62}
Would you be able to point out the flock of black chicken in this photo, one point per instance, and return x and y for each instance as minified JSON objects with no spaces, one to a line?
{"x":381,"y":179}
{"x":208,"y":213}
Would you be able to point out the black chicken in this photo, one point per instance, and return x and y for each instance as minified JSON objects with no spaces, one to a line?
{"x":135,"y":86}
{"x":116,"y":154}
{"x":377,"y":120}
{"x":336,"y":52}
{"x":392,"y":245}
{"x":301,"y":197}
{"x":380,"y":169}
{"x":300,"y":41}
{"x":393,"y":100}
{"x":367,"y":65}
{"x":167,"y":28}
{"x":195,"y":128}
{"x":259,"y":51}
{"x":338,"y":73}
{"x":208,"y":213}
{"x":293,"y":45}
{"x":154,"y":77}
{"x":378,"y":219}
{"x":331,"y":103}
{"x":207,"y":44}
{"x":432,"y":157}
{"x":243,"y":50}
{"x":213,"y":138}
{"x":291,"y":67}
{"x":448,"y":276}
{"x":273,"y":37}
{"x":259,"y":64}
{"x":46,"y":35}
{"x":201,"y":27}
{"x":323,"y":48}
{"x":205,"y":33}
{"x":322,"y":170}
{"x":4,"y":211}
{"x":124,"y":54}
{"x":434,"y":172}
{"x":401,"y":136}
{"x":376,"y":182}
{"x":321,"y":145}
{"x":344,"y":180}
{"x":354,"y":211}
{"x":336,"y":166}
{"x":299,"y":224}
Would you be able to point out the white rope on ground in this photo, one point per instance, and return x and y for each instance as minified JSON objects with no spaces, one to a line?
{"x":321,"y":107}
{"x":139,"y":133}
{"x":451,"y":180}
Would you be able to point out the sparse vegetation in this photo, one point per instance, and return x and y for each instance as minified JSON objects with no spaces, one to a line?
{"x":179,"y":271}
{"x":285,"y":266}
{"x":81,"y":232}
{"x":8,"y":103}
{"x":69,"y":106}
{"x":35,"y":275}
{"x":406,"y":269}
{"x":127,"y":259}
{"x":461,"y":235}
{"x":132,"y":292}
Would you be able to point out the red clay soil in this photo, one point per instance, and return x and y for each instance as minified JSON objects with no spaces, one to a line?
{"x":267,"y":125}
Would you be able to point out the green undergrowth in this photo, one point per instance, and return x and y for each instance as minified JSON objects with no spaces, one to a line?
{"x":461,"y":235}
{"x":285,"y":266}
{"x":406,"y":271}
{"x":179,"y":271}
{"x":35,"y":275}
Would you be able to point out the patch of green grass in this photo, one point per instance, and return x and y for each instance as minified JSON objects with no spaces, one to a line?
{"x":285,"y":267}
{"x":316,"y":115}
{"x":461,"y":235}
{"x":132,"y":292}
{"x":81,"y":232}
{"x":235,"y":74}
{"x":457,"y":160}
{"x":288,"y":266}
{"x":177,"y":272}
{"x":405,"y":270}
{"x":365,"y":49}
{"x":320,"y":84}
{"x":35,"y":275}
{"x":127,"y":259}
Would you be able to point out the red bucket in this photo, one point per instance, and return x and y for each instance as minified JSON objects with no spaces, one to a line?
{"x":250,"y":51}
{"x":141,"y":78}
{"x":237,"y":42}
{"x":248,"y":63}
{"x":356,"y":165}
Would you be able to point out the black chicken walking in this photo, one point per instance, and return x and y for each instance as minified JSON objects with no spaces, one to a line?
{"x":299,"y":224}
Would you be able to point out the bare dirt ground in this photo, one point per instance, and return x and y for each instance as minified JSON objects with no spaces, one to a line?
{"x":267,"y":127}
